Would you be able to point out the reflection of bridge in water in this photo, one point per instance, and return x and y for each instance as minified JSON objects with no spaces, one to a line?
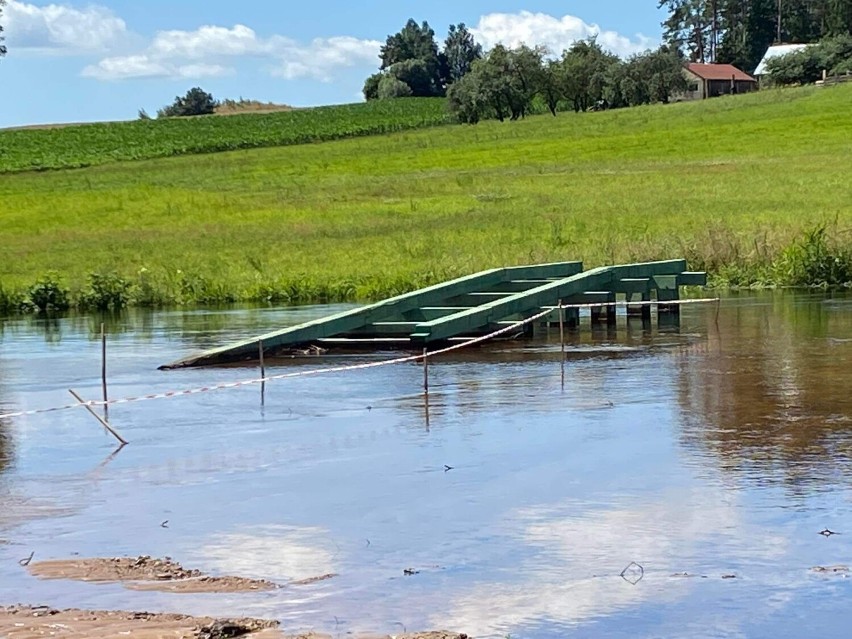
{"x":477,"y":305}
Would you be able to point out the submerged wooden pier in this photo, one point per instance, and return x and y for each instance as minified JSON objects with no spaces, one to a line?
{"x":473,"y":306}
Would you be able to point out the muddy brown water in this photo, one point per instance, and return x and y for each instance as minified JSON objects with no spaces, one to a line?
{"x":711,"y":456}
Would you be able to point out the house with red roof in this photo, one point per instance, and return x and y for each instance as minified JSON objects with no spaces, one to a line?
{"x":711,"y":80}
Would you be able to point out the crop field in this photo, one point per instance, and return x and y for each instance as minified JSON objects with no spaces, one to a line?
{"x":92,"y":144}
{"x":754,"y":188}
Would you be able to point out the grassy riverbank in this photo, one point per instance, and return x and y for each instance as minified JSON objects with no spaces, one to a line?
{"x":736,"y":185}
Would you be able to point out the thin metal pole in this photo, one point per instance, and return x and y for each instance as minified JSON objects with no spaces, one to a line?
{"x":562,"y":340}
{"x":104,"y":370}
{"x":262,"y":373}
{"x":103,"y":422}
{"x":425,"y":372}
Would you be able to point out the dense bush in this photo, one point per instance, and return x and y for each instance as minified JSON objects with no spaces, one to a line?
{"x":805,"y":66}
{"x":195,"y":102}
{"x":48,"y":294}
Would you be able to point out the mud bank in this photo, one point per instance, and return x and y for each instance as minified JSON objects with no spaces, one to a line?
{"x":27,"y":622}
{"x":146,"y":573}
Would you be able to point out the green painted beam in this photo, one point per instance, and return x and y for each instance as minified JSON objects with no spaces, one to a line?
{"x":692,"y":278}
{"x":493,"y":312}
{"x":633,"y":285}
{"x":344,"y":322}
{"x":543,"y":271}
{"x":518,"y":286}
{"x":360,"y":318}
{"x":429,"y":313}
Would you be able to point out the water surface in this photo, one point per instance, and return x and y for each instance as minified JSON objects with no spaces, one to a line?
{"x":712,"y":456}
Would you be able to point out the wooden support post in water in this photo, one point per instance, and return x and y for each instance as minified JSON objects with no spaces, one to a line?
{"x":562,"y":341}
{"x":262,"y":373}
{"x":668,"y":314}
{"x":573,"y":318}
{"x":104,"y":370}
{"x":646,"y":309}
{"x":425,"y":372}
{"x":632,"y":309}
{"x":612,"y":315}
{"x":103,"y":422}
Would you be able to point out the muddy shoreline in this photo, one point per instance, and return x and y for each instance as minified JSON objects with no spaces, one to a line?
{"x":146,"y":573}
{"x":32,"y":622}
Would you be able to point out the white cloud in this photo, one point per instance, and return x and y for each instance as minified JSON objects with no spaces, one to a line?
{"x":63,"y":29}
{"x":211,"y":50}
{"x":557,"y":34}
{"x":143,"y":66}
{"x":207,"y":42}
{"x":198,"y":53}
{"x":323,"y":56}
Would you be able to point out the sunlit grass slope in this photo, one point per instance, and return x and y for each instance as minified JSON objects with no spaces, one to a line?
{"x":727,"y":183}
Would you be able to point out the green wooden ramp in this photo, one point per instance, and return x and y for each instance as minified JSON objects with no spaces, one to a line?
{"x":463,"y":308}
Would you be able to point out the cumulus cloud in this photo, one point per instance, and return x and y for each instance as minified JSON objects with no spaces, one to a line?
{"x":200,"y":53}
{"x":142,"y":66}
{"x":557,"y":34}
{"x":323,"y":56}
{"x":213,"y":50}
{"x":63,"y":29}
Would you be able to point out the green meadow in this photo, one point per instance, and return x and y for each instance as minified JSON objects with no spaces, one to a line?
{"x":754,"y":188}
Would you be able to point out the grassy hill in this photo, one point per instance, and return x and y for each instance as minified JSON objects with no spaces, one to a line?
{"x":732,"y":184}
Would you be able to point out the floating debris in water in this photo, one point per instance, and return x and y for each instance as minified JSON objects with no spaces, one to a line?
{"x":633,"y":573}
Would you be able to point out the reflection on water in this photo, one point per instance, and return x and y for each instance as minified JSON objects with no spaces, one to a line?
{"x":772,"y":396}
{"x":6,"y":452}
{"x":280,"y":553}
{"x":502,"y":505}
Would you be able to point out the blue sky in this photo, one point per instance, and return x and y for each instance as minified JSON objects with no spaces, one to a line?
{"x":95,"y":60}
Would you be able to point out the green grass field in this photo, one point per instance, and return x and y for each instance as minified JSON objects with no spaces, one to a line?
{"x":729,"y":183}
{"x":93,"y":144}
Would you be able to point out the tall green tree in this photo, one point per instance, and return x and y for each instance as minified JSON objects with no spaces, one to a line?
{"x":691,"y":26}
{"x":408,"y":56}
{"x":2,"y":39}
{"x":552,"y":85}
{"x":762,"y":28}
{"x":839,"y":17}
{"x":413,"y":42}
{"x":733,"y":38}
{"x":503,"y":84}
{"x":460,"y":52}
{"x":584,"y":69}
{"x":662,"y":70}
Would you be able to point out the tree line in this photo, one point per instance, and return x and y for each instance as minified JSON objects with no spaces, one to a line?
{"x":505,"y":83}
{"x":2,"y":46}
{"x":738,"y":32}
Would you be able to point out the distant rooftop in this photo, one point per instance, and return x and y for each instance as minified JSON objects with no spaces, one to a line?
{"x":719,"y":72}
{"x":776,"y":52}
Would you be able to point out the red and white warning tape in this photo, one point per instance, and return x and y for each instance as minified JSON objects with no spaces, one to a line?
{"x":323,"y":371}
